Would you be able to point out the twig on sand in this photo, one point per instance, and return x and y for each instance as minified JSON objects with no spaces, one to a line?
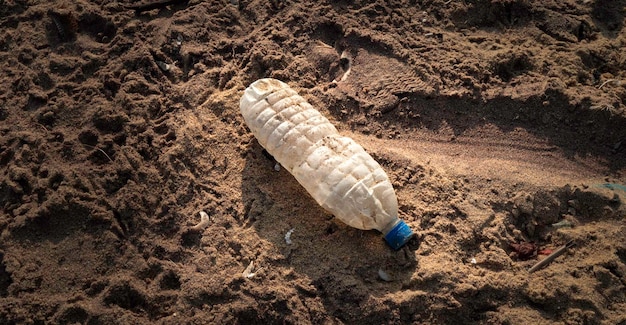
{"x":613,"y":82}
{"x":84,"y":144}
{"x":94,"y":147}
{"x":551,"y":257}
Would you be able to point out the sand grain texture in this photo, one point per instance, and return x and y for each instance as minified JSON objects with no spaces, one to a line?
{"x":488,"y":117}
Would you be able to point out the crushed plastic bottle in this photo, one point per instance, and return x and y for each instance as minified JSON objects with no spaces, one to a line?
{"x":335,"y":170}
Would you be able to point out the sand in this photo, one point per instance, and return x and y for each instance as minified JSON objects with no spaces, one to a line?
{"x":494,"y":119}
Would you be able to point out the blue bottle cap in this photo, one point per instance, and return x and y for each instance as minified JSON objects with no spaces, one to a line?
{"x":399,"y":235}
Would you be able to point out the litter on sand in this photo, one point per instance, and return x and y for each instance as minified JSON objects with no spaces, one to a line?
{"x":247,"y":273}
{"x":551,"y":257}
{"x":204,"y":222}
{"x":288,"y":236}
{"x":383,"y":275}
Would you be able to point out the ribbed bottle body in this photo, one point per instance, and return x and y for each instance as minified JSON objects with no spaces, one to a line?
{"x":335,"y":170}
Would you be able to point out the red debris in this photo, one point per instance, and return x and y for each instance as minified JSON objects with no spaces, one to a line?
{"x":524,"y":250}
{"x":546,"y":251}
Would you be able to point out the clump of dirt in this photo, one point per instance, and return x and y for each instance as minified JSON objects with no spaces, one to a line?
{"x":499,"y":122}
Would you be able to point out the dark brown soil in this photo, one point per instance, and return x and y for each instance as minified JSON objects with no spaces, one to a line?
{"x":495,"y":120}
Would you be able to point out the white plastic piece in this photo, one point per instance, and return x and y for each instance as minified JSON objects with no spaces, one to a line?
{"x":288,"y":236}
{"x":383,"y":275}
{"x":335,"y":170}
{"x":247,"y":273}
{"x":204,"y":222}
{"x":164,"y":66}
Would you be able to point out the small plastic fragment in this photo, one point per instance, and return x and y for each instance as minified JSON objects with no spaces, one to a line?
{"x":247,"y":273}
{"x":546,"y":251}
{"x":473,"y":260}
{"x":384,"y":276}
{"x":346,"y":64}
{"x":277,"y":167}
{"x":164,"y":66}
{"x":204,"y":222}
{"x":563,"y":224}
{"x":288,"y":236}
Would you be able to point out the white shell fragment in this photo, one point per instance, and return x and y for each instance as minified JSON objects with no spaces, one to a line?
{"x":288,"y":236}
{"x":204,"y":222}
{"x":335,"y":170}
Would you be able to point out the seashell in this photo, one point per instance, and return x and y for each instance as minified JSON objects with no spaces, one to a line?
{"x":337,"y":172}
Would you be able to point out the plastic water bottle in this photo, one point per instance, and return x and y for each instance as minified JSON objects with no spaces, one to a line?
{"x":337,"y":172}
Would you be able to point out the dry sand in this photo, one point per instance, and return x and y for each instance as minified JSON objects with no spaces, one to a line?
{"x":494,"y":120}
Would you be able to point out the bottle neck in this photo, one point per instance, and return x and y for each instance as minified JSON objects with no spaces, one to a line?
{"x":387,"y":228}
